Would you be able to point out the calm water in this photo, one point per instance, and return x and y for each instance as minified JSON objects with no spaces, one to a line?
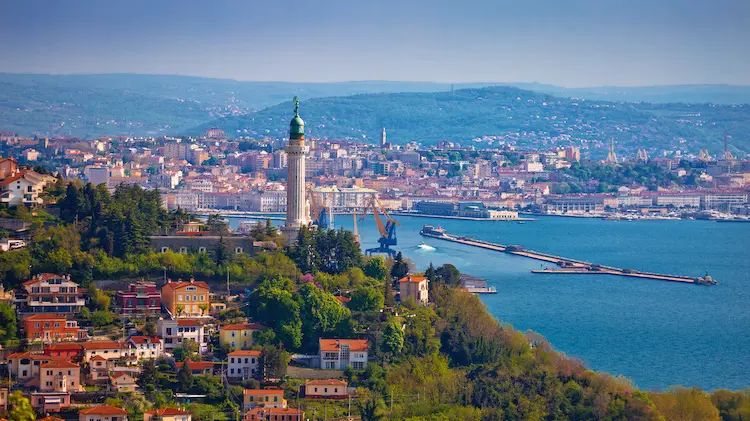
{"x":656,"y":333}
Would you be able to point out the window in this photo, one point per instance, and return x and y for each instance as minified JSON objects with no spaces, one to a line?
{"x":201,"y":249}
{"x":164,"y":249}
{"x":183,"y":250}
{"x":203,"y":298}
{"x":179,"y":298}
{"x":191,"y":289}
{"x":195,"y":298}
{"x":238,"y":250}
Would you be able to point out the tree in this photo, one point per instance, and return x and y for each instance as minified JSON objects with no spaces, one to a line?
{"x":400,"y":268}
{"x":273,"y":362}
{"x":320,"y":313}
{"x":375,"y":268}
{"x":685,"y":404}
{"x":148,"y":375}
{"x":185,"y":376}
{"x":366,"y":299}
{"x":22,"y":410}
{"x":393,"y":338}
{"x":8,"y":322}
{"x":273,"y":304}
{"x":448,"y":274}
{"x":222,"y":252}
{"x":102,"y":318}
{"x":370,"y":408}
{"x":430,"y":273}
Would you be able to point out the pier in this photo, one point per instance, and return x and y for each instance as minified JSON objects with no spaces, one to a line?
{"x":565,"y":265}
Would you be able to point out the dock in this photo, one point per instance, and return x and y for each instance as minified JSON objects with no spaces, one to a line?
{"x":565,"y":265}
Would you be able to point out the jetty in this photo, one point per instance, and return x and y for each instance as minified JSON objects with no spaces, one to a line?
{"x":564,"y":265}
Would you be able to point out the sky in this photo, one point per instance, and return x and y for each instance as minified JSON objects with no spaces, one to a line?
{"x":571,"y":43}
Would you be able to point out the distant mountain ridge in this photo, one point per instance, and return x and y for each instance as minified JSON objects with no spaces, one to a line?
{"x":140,"y":105}
{"x":530,"y":119}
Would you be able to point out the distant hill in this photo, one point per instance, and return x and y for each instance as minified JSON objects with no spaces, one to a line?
{"x":129,"y":104}
{"x":527,"y":117}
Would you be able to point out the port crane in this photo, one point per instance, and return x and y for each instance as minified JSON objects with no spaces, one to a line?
{"x":321,"y":214}
{"x":387,"y":230}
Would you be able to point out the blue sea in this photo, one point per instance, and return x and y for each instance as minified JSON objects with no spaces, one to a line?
{"x":656,"y":333}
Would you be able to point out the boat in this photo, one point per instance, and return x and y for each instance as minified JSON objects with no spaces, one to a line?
{"x":432,"y":231}
{"x":706,"y":280}
{"x":521,"y":222}
{"x":425,"y":247}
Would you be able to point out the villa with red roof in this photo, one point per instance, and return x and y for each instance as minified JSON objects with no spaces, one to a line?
{"x":238,"y":336}
{"x":267,"y":398}
{"x":146,"y":347}
{"x":337,"y":354}
{"x":186,"y":299}
{"x":175,"y":331}
{"x":50,"y":293}
{"x":416,"y":287}
{"x":103,"y":413}
{"x":167,"y":414}
{"x":243,"y":364}
{"x":326,"y":389}
{"x":274,"y":414}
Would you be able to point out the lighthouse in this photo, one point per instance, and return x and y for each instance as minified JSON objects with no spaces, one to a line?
{"x":296,"y":206}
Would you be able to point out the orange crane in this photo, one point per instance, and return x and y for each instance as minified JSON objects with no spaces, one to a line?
{"x":387,"y":230}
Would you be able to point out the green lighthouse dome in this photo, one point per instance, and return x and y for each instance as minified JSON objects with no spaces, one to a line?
{"x":297,"y":125}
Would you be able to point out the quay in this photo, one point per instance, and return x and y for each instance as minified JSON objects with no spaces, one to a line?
{"x":463,"y":218}
{"x":565,"y":265}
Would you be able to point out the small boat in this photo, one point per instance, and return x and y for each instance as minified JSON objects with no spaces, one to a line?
{"x":521,"y":222}
{"x":425,"y":247}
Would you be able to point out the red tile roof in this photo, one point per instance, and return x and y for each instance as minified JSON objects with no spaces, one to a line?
{"x":60,"y":364}
{"x":103,"y":410}
{"x":65,"y":347}
{"x":45,"y":317}
{"x":181,"y":284}
{"x":243,"y":326}
{"x":95,"y":345}
{"x":244,"y":353}
{"x":335,"y":344}
{"x":410,"y":278}
{"x":145,"y":339}
{"x":263,"y":392}
{"x":48,"y":418}
{"x":329,"y":382}
{"x":343,"y":299}
{"x":188,"y":322}
{"x":167,"y":412}
{"x":42,"y":277}
{"x":196,"y":365}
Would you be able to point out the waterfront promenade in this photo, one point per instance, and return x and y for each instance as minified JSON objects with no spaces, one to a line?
{"x":565,"y":265}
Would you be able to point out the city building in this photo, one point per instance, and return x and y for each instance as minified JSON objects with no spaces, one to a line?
{"x":97,"y":175}
{"x":238,"y":336}
{"x":50,"y":294}
{"x":175,"y":331}
{"x":167,"y":414}
{"x":267,"y":398}
{"x":123,"y":382}
{"x":197,"y":368}
{"x":52,"y":328}
{"x":109,"y":350}
{"x":416,"y":287}
{"x":326,"y":389}
{"x":296,"y":209}
{"x":60,"y":376}
{"x":22,"y":188}
{"x":24,"y":366}
{"x":141,"y":298}
{"x":71,"y":351}
{"x":146,"y":347}
{"x":186,"y":299}
{"x":274,"y":414}
{"x":337,"y":354}
{"x":47,"y":402}
{"x":102,"y":413}
{"x":243,"y":364}
{"x":723,"y":200}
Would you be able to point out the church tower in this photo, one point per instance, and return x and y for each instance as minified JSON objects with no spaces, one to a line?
{"x":382,"y":139}
{"x":296,"y":207}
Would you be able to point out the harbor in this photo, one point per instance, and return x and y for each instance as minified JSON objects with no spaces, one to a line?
{"x":566,"y":266}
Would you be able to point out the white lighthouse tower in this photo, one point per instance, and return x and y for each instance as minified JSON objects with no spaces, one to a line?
{"x":296,"y":206}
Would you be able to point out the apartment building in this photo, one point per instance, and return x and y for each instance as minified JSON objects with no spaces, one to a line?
{"x":337,"y":354}
{"x":186,"y":299}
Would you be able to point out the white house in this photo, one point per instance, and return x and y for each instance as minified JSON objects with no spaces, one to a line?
{"x":22,"y":188}
{"x":337,"y":354}
{"x":175,"y":332}
{"x":243,"y":364}
{"x":146,"y":347}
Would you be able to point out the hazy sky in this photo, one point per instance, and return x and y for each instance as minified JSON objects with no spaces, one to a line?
{"x":564,"y":42}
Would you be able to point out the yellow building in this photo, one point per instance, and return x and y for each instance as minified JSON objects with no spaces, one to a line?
{"x":186,"y":299}
{"x":238,"y":336}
